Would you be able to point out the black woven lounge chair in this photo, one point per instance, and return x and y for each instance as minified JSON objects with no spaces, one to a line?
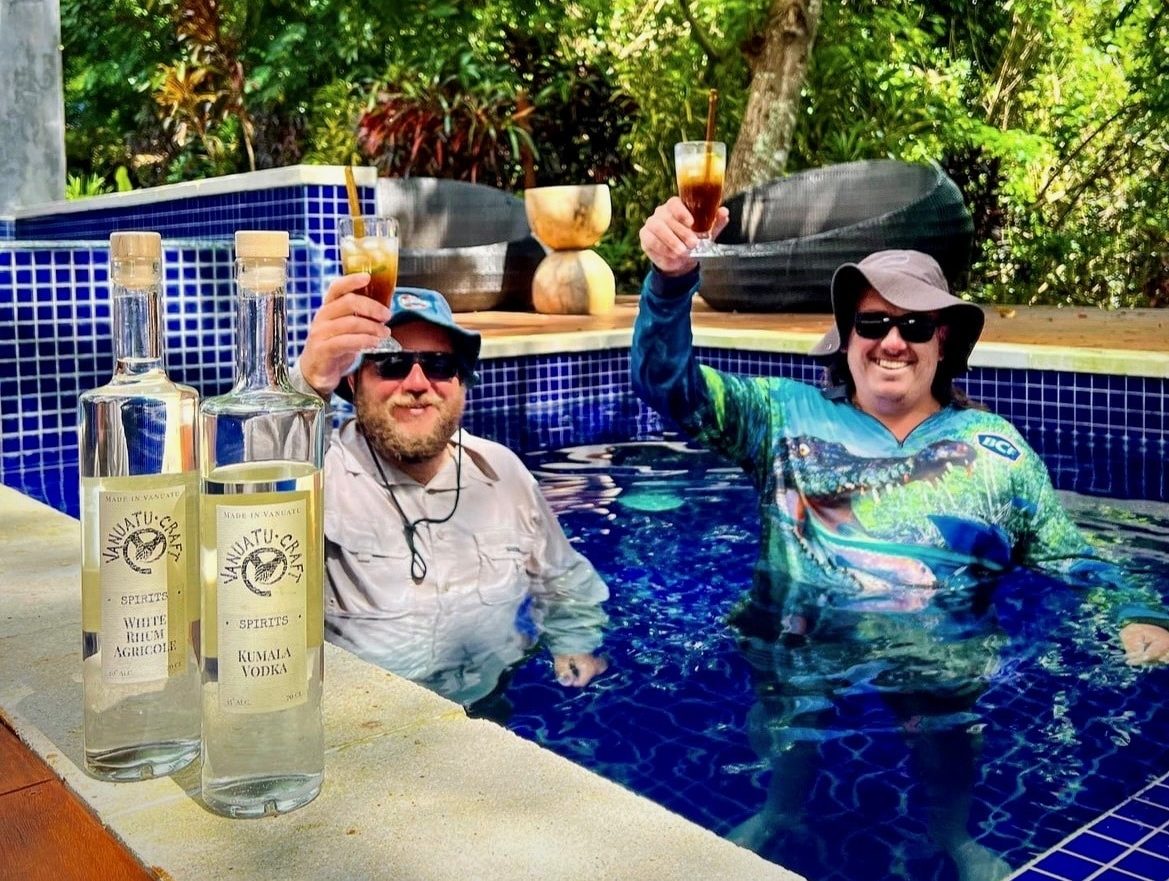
{"x":786,"y":237}
{"x":468,"y":241}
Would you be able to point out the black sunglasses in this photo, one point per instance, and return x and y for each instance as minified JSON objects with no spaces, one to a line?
{"x":916,"y":327}
{"x":397,"y":365}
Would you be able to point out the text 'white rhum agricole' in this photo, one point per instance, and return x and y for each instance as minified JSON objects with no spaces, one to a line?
{"x":139,"y":554}
{"x":261,"y":561}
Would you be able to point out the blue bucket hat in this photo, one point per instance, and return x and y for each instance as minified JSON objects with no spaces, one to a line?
{"x":423,"y":304}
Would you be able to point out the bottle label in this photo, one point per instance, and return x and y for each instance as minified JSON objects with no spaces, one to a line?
{"x":262,"y":603}
{"x":142,"y":575}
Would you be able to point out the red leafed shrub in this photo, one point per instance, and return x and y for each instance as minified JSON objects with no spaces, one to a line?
{"x":442,"y":128}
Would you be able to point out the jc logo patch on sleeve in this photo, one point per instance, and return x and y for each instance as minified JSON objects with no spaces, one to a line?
{"x":999,"y":445}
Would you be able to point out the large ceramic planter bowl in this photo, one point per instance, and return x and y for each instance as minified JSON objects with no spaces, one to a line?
{"x":468,"y":241}
{"x":569,"y":218}
{"x":785,"y":238}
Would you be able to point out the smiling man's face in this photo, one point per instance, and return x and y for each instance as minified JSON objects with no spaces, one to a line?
{"x":892,"y":377}
{"x":410,"y":419}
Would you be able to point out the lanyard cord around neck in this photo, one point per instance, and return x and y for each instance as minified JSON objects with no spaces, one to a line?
{"x":410,"y":527}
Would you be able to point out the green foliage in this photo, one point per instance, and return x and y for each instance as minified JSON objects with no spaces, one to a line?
{"x":1052,"y":115}
{"x":80,"y":186}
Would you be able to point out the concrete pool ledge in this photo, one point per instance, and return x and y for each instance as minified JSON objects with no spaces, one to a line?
{"x":413,"y":788}
{"x":505,"y":342}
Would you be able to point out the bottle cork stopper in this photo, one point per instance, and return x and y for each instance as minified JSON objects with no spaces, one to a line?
{"x":257,"y":243}
{"x":147,"y":245}
{"x":134,"y":258}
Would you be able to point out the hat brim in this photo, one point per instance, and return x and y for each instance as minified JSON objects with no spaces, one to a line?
{"x":964,"y":320}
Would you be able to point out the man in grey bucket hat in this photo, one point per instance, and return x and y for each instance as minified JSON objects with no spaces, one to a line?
{"x":444,"y":562}
{"x":889,"y":510}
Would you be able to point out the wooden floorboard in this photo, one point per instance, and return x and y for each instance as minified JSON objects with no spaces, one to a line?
{"x":46,"y":833}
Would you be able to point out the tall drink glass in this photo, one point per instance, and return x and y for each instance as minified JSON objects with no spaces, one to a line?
{"x":700,"y":167}
{"x":370,"y":244}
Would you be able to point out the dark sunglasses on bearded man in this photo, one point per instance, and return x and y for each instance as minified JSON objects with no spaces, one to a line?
{"x":439,"y":366}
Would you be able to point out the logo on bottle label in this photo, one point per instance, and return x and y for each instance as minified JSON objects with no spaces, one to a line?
{"x":262,"y":607}
{"x":142,"y":539}
{"x":263,"y":558}
{"x":142,"y":585}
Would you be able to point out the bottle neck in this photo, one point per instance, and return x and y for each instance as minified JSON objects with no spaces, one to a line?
{"x":137,"y":330}
{"x":261,"y":356}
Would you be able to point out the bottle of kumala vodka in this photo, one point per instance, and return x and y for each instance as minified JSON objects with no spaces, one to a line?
{"x":261,"y":448}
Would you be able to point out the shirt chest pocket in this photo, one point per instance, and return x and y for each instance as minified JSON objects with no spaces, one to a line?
{"x":369,"y":574}
{"x":503,"y":557}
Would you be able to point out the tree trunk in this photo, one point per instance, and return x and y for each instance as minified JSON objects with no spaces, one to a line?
{"x":765,"y":136}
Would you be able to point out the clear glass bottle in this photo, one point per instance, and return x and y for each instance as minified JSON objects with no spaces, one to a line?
{"x":262,"y":446}
{"x":139,"y":560}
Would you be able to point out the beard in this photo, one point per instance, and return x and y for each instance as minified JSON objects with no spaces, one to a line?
{"x":408,"y":443}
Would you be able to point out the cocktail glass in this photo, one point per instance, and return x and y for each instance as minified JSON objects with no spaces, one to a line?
{"x":370,"y":244}
{"x":701,"y":167}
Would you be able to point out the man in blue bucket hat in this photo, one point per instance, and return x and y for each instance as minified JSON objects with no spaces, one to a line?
{"x":890,"y":508}
{"x":444,"y":561}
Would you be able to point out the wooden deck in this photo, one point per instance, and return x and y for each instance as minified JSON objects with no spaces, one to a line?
{"x":1145,"y":330}
{"x":46,"y":833}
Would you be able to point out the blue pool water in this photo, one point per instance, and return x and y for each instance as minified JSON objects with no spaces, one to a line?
{"x":1070,"y":730}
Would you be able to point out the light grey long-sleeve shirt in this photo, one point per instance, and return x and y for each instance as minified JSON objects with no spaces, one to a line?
{"x":499,"y":572}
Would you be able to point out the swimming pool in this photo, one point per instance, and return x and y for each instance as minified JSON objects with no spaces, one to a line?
{"x":1096,"y":419}
{"x":1070,"y":731}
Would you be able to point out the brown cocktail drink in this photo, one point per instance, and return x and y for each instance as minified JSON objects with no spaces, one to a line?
{"x":370,"y":244}
{"x":700,"y":167}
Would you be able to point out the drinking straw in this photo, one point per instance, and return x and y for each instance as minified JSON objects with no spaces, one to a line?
{"x":354,"y":204}
{"x":710,"y":109}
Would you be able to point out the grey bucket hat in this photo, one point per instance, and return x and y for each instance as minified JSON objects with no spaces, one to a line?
{"x":909,"y":280}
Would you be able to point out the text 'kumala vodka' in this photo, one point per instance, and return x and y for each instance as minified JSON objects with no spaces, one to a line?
{"x":139,"y":521}
{"x":262,"y":563}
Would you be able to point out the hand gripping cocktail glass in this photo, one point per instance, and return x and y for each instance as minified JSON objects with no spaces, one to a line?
{"x":370,"y":244}
{"x":700,"y":167}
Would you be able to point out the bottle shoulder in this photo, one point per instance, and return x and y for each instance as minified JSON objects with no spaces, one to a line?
{"x":269,"y":400}
{"x":152,"y":384}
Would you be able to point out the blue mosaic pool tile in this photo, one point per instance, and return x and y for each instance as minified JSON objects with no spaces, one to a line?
{"x":7,"y":228}
{"x":1144,"y":812}
{"x":1158,"y":795}
{"x":1145,"y":865}
{"x":1118,"y":875}
{"x":1067,"y":866}
{"x":1158,"y":844}
{"x":1094,"y":847}
{"x":306,"y":210}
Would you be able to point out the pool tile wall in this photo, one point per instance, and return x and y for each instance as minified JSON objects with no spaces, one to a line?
{"x":55,"y":336}
{"x":1129,"y":842}
{"x":305,"y":210}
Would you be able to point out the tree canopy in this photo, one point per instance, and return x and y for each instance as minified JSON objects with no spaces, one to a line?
{"x":1051,"y":115}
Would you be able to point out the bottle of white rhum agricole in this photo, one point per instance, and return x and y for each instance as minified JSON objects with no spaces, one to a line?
{"x":139,"y":560}
{"x":262,"y":564}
